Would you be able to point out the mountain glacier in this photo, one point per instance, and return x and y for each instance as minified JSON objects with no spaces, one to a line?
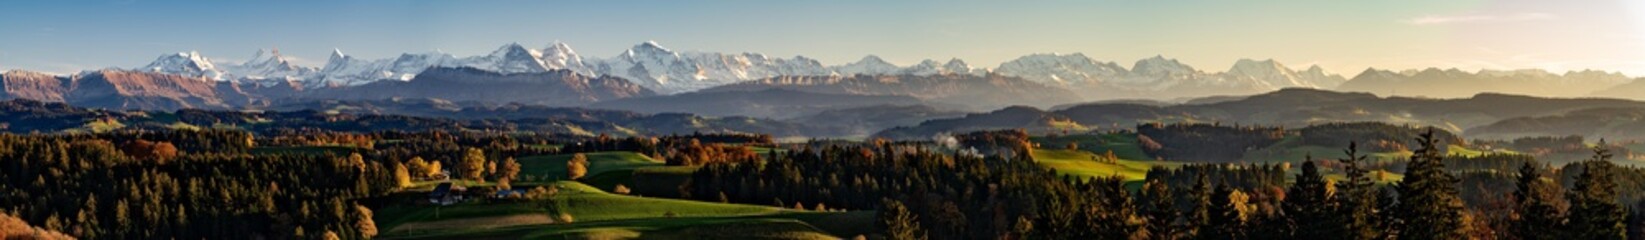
{"x":668,"y":71}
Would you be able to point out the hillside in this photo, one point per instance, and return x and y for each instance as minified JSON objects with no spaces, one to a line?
{"x":598,"y":214}
{"x":1294,"y":108}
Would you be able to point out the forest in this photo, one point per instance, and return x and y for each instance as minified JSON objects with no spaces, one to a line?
{"x":146,"y":184}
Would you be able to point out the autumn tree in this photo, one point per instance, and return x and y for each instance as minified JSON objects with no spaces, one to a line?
{"x":472,"y":166}
{"x":402,"y":177}
{"x":149,"y":150}
{"x":1229,"y":212}
{"x":436,"y":168}
{"x":896,"y":222}
{"x":509,"y":171}
{"x":363,"y":224}
{"x":418,"y":167}
{"x":577,"y":166}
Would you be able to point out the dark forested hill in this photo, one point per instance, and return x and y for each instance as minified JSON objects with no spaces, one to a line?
{"x":1294,"y":108}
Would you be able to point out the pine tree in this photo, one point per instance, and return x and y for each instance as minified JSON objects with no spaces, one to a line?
{"x":1199,"y":218}
{"x":1161,"y":210}
{"x":1429,"y":206}
{"x":1537,"y":217}
{"x":1309,"y":206}
{"x":1594,"y":212}
{"x":896,"y":222}
{"x":1357,"y":198}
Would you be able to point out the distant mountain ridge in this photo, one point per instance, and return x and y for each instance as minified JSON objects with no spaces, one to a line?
{"x":1294,"y":108}
{"x":1454,"y":83}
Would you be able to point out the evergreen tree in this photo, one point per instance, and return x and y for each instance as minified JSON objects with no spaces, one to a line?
{"x":896,"y":222}
{"x":1309,"y":206}
{"x":1160,"y":210}
{"x":1594,"y":212}
{"x":1429,"y":206}
{"x":1536,"y":216}
{"x":1199,"y":218}
{"x":1357,"y":198}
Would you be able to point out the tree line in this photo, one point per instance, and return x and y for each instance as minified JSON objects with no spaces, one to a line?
{"x":928,"y":193}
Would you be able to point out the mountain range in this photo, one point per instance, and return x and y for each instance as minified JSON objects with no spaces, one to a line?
{"x":667,"y":71}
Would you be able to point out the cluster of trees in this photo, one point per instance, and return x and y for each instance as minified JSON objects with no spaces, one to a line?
{"x":1000,"y":142}
{"x":85,"y":186}
{"x":312,"y":137}
{"x":925,"y":193}
{"x":922,"y":194}
{"x":1376,"y":136}
{"x":680,"y":150}
{"x":1204,"y":142}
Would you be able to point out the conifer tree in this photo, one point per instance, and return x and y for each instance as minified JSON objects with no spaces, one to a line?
{"x":1357,"y":198}
{"x":1429,"y":206}
{"x":1309,"y":206}
{"x":1594,"y":212}
{"x":1199,"y":218}
{"x":1160,"y":210}
{"x":1536,"y":217}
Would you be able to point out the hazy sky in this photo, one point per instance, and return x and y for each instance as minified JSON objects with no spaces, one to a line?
{"x":1342,"y":36}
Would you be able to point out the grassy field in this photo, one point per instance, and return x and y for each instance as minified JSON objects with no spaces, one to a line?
{"x":597,"y":214}
{"x":1081,"y":164}
{"x":1123,"y":145}
{"x":553,"y":166}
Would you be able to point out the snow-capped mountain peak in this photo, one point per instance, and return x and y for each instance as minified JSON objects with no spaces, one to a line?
{"x":513,"y":58}
{"x":559,"y":55}
{"x":1061,"y":68}
{"x":869,"y":65}
{"x":189,"y":63}
{"x":957,"y":66}
{"x":1159,"y":65}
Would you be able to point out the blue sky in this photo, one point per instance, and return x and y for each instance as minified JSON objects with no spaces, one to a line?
{"x":1343,"y":36}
